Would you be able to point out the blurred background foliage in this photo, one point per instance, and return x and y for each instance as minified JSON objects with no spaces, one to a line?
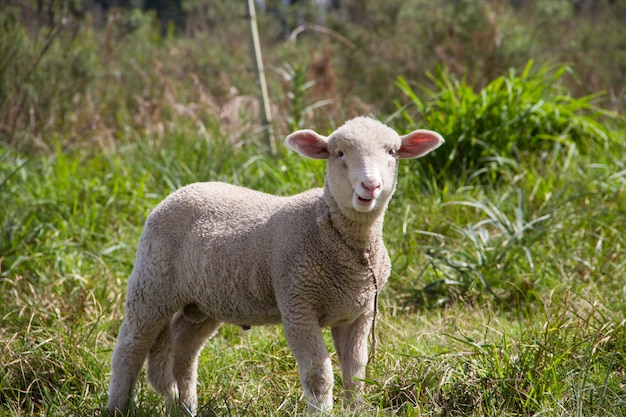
{"x":529,"y":96}
{"x":87,"y":72}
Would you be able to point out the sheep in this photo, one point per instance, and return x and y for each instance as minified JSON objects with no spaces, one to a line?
{"x":214,"y":253}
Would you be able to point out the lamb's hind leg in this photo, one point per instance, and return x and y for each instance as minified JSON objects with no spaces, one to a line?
{"x":160,"y":363}
{"x":189,"y":332}
{"x":128,"y":357}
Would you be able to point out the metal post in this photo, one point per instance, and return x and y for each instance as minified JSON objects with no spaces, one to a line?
{"x":257,"y":58}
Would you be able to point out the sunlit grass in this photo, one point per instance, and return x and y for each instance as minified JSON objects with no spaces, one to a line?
{"x":507,"y":243}
{"x":492,"y":130}
{"x":502,"y":301}
{"x":507,"y":293}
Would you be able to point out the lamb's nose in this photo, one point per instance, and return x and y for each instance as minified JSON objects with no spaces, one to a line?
{"x":373,"y":187}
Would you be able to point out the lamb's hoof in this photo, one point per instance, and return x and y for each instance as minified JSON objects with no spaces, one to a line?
{"x":179,"y":409}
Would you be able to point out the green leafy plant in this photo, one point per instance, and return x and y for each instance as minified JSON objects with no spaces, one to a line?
{"x":511,"y":116}
{"x":495,"y":249}
{"x":296,"y":86}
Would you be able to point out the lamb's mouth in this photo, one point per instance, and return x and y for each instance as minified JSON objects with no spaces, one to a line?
{"x":363,"y":204}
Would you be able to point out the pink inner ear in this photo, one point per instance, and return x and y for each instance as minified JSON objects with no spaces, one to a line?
{"x":308,"y":143}
{"x":419,"y":143}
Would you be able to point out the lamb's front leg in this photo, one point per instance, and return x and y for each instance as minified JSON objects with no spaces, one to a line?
{"x":314,"y":365}
{"x":351,"y":346}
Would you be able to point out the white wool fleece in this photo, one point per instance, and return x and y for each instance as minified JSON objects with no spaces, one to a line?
{"x":214,"y":253}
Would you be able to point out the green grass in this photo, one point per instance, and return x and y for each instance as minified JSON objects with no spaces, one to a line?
{"x":504,"y":300}
{"x":506,"y":297}
{"x":513,"y":115}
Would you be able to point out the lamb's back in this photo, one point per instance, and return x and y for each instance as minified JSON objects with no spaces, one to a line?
{"x":214,"y":206}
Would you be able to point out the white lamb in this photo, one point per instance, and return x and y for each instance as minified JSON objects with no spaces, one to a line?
{"x":214,"y":253}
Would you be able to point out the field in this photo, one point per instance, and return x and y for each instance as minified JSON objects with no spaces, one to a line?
{"x":508,"y":244}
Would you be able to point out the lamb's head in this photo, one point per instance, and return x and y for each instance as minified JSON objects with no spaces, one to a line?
{"x":362,"y":160}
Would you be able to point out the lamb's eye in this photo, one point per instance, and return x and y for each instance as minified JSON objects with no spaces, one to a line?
{"x":340,"y":155}
{"x":392,"y":152}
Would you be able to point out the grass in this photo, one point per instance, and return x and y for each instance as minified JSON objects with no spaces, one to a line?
{"x":503,"y":300}
{"x":510,"y":117}
{"x":506,"y":296}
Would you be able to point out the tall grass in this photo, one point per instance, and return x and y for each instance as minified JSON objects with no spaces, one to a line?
{"x":506,"y":296}
{"x":528,"y":273}
{"x":512,"y":116}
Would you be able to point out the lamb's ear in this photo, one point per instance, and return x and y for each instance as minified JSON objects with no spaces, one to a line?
{"x":308,"y":143}
{"x":419,"y":143}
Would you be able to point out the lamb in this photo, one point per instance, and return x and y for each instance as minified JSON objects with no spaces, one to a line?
{"x":213,"y":253}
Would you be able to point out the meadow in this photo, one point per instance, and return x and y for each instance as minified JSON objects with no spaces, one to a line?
{"x":507,"y":295}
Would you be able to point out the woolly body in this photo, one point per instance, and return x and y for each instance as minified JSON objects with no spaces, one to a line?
{"x":223,"y":259}
{"x":213,"y":253}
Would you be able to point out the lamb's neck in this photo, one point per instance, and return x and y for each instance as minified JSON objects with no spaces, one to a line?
{"x":360,"y":231}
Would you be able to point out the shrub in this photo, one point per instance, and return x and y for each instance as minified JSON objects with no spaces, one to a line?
{"x":42,"y":78}
{"x":514,"y":114}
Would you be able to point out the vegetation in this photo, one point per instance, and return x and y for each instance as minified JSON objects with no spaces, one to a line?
{"x":508,"y":245}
